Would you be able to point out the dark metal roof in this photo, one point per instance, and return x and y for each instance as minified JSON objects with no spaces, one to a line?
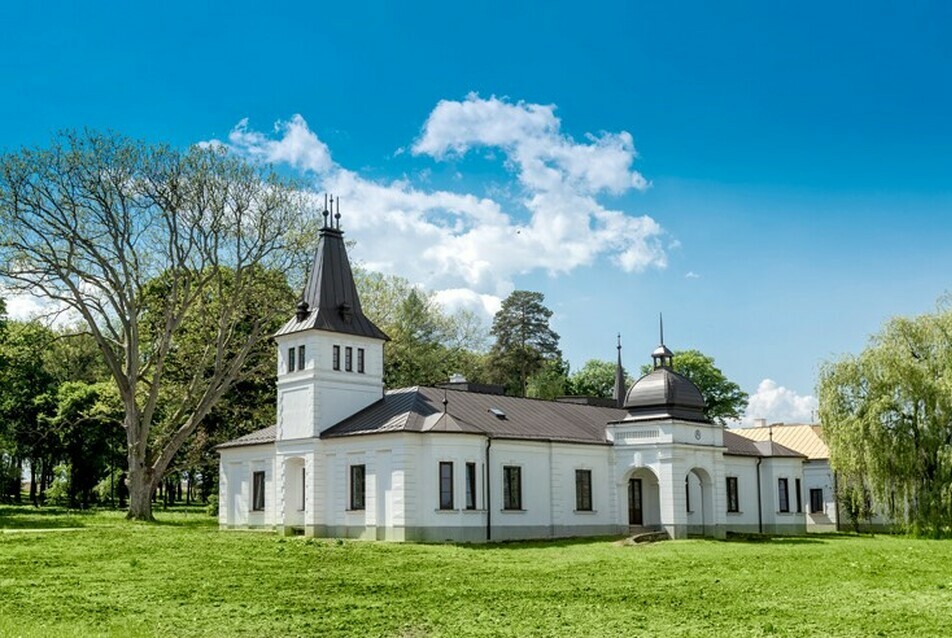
{"x":420,"y":409}
{"x":665,"y":394}
{"x":738,"y":445}
{"x":258,"y":437}
{"x":330,"y":293}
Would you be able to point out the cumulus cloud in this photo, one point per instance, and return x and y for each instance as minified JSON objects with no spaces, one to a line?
{"x":297,"y":145}
{"x":775,"y":403}
{"x":466,"y":246}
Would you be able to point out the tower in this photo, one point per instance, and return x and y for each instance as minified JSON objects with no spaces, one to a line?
{"x":330,"y":355}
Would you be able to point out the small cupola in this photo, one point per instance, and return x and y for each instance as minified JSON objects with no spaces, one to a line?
{"x":663,"y":393}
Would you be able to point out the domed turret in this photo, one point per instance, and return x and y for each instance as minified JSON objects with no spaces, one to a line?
{"x":663,"y":393}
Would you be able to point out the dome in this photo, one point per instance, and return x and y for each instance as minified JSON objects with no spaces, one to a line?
{"x":665,"y":394}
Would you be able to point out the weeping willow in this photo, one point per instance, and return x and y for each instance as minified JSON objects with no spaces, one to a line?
{"x":887,"y":417}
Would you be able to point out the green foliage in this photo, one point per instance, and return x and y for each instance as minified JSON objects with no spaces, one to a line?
{"x":199,"y":230}
{"x":550,"y":381}
{"x":185,"y":578}
{"x":887,"y":418}
{"x":426,"y":345}
{"x":524,"y":341}
{"x":596,"y":379}
{"x":723,"y":399}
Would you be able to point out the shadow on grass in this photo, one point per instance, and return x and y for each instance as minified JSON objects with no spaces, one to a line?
{"x":56,"y":517}
{"x":29,"y":517}
{"x":540,"y":543}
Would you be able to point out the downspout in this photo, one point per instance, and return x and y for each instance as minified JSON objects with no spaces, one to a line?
{"x":489,"y":511}
{"x":760,"y":501}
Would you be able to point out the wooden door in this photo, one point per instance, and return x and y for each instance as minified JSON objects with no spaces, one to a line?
{"x":635,"y":510}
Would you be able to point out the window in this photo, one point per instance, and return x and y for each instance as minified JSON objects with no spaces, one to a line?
{"x":733,"y":503}
{"x":583,"y":490}
{"x":336,"y":361}
{"x":796,"y":486}
{"x":257,"y":492}
{"x":360,"y":360}
{"x":300,"y":357}
{"x":446,"y":485}
{"x":290,"y":359}
{"x":687,"y":495}
{"x":511,"y":487}
{"x":783,"y":496}
{"x":349,"y":359}
{"x":816,"y":500}
{"x":470,"y":486}
{"x":357,"y":474}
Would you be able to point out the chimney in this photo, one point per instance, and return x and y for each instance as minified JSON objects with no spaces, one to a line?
{"x":760,"y":423}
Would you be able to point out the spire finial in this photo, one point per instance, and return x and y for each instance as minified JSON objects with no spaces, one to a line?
{"x":619,"y":392}
{"x":661,"y":326}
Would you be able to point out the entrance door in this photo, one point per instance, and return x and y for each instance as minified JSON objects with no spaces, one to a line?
{"x":635,"y":512}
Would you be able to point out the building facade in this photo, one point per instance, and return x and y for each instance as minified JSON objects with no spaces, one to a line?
{"x":462,"y":462}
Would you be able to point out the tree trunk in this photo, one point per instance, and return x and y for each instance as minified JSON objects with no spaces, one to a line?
{"x":18,"y":495}
{"x":33,"y":497}
{"x":139,"y":482}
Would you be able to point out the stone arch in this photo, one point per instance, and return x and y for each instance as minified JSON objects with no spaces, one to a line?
{"x":641,"y":500}
{"x":699,"y":495}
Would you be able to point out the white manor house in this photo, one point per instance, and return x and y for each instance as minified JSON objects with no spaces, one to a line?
{"x":462,"y":462}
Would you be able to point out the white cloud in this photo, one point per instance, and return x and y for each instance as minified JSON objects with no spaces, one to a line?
{"x":297,"y":145}
{"x":776,"y":403}
{"x":467,"y":246}
{"x":453,"y":299}
{"x":692,"y":275}
{"x":530,"y":137}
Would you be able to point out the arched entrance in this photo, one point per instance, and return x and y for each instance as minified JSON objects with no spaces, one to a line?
{"x":699,"y":496}
{"x":642,"y":501}
{"x":294,"y":493}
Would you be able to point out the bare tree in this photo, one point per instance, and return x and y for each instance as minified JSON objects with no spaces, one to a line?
{"x":93,"y":221}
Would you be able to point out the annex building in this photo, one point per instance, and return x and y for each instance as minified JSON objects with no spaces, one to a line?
{"x":462,"y":462}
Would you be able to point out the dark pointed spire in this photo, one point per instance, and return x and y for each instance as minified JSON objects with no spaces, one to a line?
{"x":619,"y":394}
{"x":663,"y":358}
{"x":330,"y":300}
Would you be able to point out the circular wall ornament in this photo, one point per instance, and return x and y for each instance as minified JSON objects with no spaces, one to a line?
{"x":697,"y":435}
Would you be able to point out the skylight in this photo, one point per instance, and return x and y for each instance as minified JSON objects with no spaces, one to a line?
{"x":499,"y":413}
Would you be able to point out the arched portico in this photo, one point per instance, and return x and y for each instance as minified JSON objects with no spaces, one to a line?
{"x":295,"y":479}
{"x":699,"y":495}
{"x":641,"y":500}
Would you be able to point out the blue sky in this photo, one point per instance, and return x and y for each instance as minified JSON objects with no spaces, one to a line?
{"x":795,"y":155}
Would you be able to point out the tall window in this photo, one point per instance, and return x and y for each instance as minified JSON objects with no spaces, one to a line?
{"x":583,"y":490}
{"x":783,"y":495}
{"x":470,"y":486}
{"x":349,"y":359}
{"x":511,"y":487}
{"x":733,"y":502}
{"x":816,"y":500}
{"x":796,"y":486}
{"x":336,"y":359}
{"x":446,"y":485}
{"x":687,"y":495}
{"x":360,"y":360}
{"x":257,"y":492}
{"x":290,"y":359}
{"x":357,"y":475}
{"x":303,"y":489}
{"x":300,"y":357}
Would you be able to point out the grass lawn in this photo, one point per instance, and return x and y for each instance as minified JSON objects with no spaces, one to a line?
{"x":96,"y":574}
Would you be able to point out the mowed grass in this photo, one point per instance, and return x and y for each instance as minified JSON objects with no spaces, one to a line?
{"x":96,"y":574}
